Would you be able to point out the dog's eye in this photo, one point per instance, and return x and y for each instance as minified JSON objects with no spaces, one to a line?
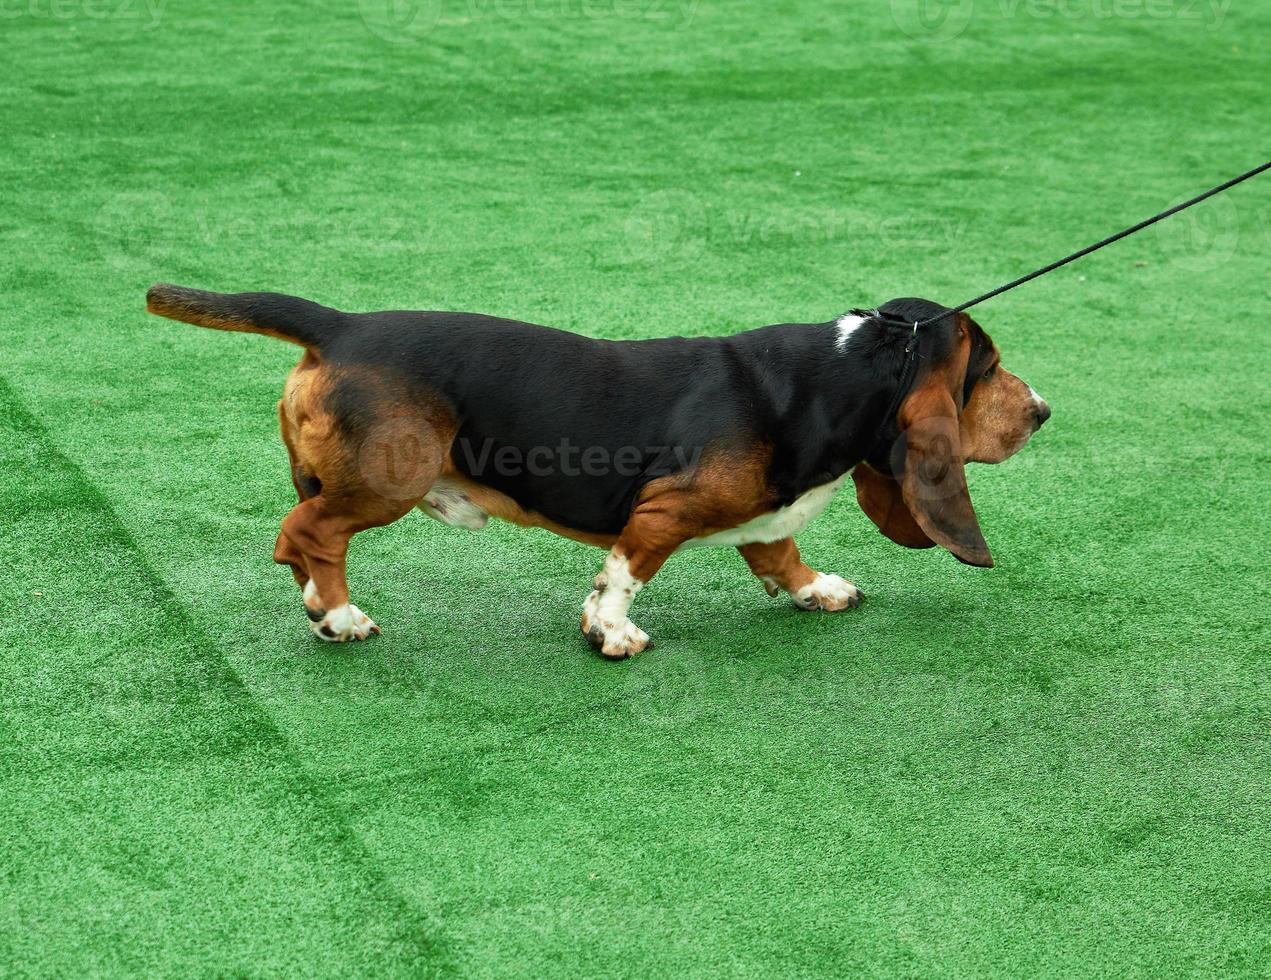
{"x":989,"y":373}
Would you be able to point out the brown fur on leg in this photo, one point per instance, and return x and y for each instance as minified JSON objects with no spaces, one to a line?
{"x":649,"y":538}
{"x":778,"y":565}
{"x":352,"y":471}
{"x":320,"y":528}
{"x":669,"y":512}
{"x":286,"y":553}
{"x":322,"y":539}
{"x":646,"y":542}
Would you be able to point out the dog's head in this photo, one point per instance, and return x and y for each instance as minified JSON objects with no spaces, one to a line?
{"x":963,"y":407}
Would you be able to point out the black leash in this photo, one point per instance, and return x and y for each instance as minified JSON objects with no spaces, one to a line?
{"x":1098,"y":245}
{"x":911,"y":346}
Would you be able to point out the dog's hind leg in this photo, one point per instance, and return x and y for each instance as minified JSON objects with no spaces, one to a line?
{"x":320,"y":534}
{"x":353,"y":470}
{"x":307,"y":485}
{"x":319,"y":531}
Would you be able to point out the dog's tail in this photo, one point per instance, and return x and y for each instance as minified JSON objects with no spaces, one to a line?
{"x":275,"y":314}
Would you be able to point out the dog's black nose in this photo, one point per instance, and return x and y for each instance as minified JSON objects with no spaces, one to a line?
{"x":1043,"y":413}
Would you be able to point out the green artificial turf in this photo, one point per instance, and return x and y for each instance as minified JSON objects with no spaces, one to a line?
{"x":1059,"y":766}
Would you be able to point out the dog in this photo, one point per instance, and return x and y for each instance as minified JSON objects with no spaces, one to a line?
{"x":640,"y":447}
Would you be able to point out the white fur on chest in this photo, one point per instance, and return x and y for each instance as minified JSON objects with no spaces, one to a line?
{"x":782,"y":523}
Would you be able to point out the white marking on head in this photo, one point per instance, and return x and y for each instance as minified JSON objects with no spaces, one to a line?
{"x":846,"y":326}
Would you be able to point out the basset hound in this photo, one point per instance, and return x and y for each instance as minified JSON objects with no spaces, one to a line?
{"x":640,"y":447}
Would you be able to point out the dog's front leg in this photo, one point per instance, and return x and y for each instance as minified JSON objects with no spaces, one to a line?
{"x":779,"y":566}
{"x":642,"y":548}
{"x":605,"y":621}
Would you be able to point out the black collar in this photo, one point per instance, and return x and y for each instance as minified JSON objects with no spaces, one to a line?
{"x":907,"y":372}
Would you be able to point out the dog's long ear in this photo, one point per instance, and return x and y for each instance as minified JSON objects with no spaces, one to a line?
{"x":932,"y":480}
{"x":881,"y":500}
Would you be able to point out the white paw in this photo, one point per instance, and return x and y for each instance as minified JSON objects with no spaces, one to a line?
{"x":342,"y":624}
{"x":614,"y":638}
{"x":338,"y":625}
{"x":828,"y":592}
